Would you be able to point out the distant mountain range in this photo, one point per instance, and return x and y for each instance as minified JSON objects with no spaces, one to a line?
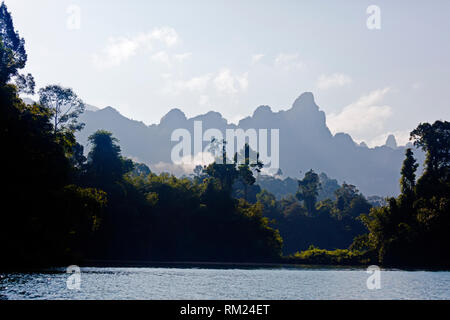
{"x":305,"y":143}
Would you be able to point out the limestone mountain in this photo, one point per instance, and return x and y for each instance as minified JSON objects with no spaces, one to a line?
{"x":305,"y":143}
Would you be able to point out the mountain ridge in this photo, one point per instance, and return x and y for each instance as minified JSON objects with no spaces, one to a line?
{"x":305,"y":143}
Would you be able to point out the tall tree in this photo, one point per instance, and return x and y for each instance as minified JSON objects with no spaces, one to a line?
{"x":245,"y":169}
{"x":105,"y":163}
{"x":308,"y":190}
{"x":13,"y":56}
{"x":434,"y":139}
{"x":224,"y":172}
{"x":414,"y":230}
{"x":65,"y":107}
{"x":408,"y":173}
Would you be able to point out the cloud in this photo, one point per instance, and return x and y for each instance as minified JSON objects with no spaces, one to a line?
{"x":227,"y":83}
{"x":121,"y":49}
{"x":256,"y":58}
{"x":288,"y":61}
{"x":165,"y":34}
{"x":333,"y":80}
{"x":195,"y":84}
{"x":168,"y":59}
{"x":162,"y":57}
{"x":204,"y":100}
{"x":187,"y":165}
{"x":116,"y":51}
{"x":401,"y":136}
{"x":362,"y":119}
{"x":223,"y":82}
{"x":182,"y":57}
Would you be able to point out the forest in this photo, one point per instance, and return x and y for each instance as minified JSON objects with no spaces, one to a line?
{"x":62,"y":206}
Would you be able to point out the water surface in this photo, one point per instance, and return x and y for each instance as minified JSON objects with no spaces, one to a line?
{"x":225,"y":283}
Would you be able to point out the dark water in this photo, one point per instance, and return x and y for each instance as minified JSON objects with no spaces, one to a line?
{"x":226,"y":283}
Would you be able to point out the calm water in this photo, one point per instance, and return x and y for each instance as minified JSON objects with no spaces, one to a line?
{"x":226,"y":283}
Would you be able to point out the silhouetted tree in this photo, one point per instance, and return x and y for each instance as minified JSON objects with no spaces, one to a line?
{"x":13,"y":56}
{"x":309,"y":190}
{"x":65,"y":107}
{"x":105,"y":162}
{"x":408,"y":173}
{"x":412,"y":229}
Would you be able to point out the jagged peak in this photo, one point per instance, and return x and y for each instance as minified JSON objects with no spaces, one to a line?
{"x":211,"y":114}
{"x":262,"y":110}
{"x":174,"y":114}
{"x":391,"y":142}
{"x":363,"y":144}
{"x":306,"y":99}
{"x":110,"y":109}
{"x":345,"y":138}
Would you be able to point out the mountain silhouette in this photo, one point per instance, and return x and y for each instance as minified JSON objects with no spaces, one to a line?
{"x":305,"y":143}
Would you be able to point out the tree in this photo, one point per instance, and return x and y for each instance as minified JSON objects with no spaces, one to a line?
{"x":309,"y":190}
{"x":408,"y":173}
{"x":141,"y":169}
{"x":105,"y":163}
{"x":435,"y":141}
{"x":13,"y":56}
{"x":245,"y":169}
{"x":344,"y":195}
{"x":224,"y":173}
{"x":65,"y":107}
{"x":413,"y":228}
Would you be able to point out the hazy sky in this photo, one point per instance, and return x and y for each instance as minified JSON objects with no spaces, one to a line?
{"x":147,"y":57}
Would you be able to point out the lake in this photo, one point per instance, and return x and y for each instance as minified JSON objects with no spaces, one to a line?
{"x":290,"y":283}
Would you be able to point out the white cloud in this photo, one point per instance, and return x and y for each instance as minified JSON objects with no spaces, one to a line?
{"x":162,"y":57}
{"x":333,"y":80}
{"x":195,"y":84}
{"x":401,"y":136}
{"x":187,"y":165}
{"x":169,"y":59}
{"x":116,"y":51}
{"x":165,"y":34}
{"x":182,"y":57}
{"x":226,"y":83}
{"x":243,"y":81}
{"x":256,"y":58}
{"x":119,"y":50}
{"x":363,"y":119}
{"x":288,"y":61}
{"x":204,"y":100}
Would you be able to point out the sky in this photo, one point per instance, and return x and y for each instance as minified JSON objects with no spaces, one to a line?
{"x":145,"y":58}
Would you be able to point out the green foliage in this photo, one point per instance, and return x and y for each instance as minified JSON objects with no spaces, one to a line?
{"x":412,"y":229}
{"x":201,"y":221}
{"x":13,"y":56}
{"x":49,"y":217}
{"x":140,"y":169}
{"x":67,"y":208}
{"x":281,"y":188}
{"x":309,"y":190}
{"x":408,"y":173}
{"x":333,"y":224}
{"x":326,"y":257}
